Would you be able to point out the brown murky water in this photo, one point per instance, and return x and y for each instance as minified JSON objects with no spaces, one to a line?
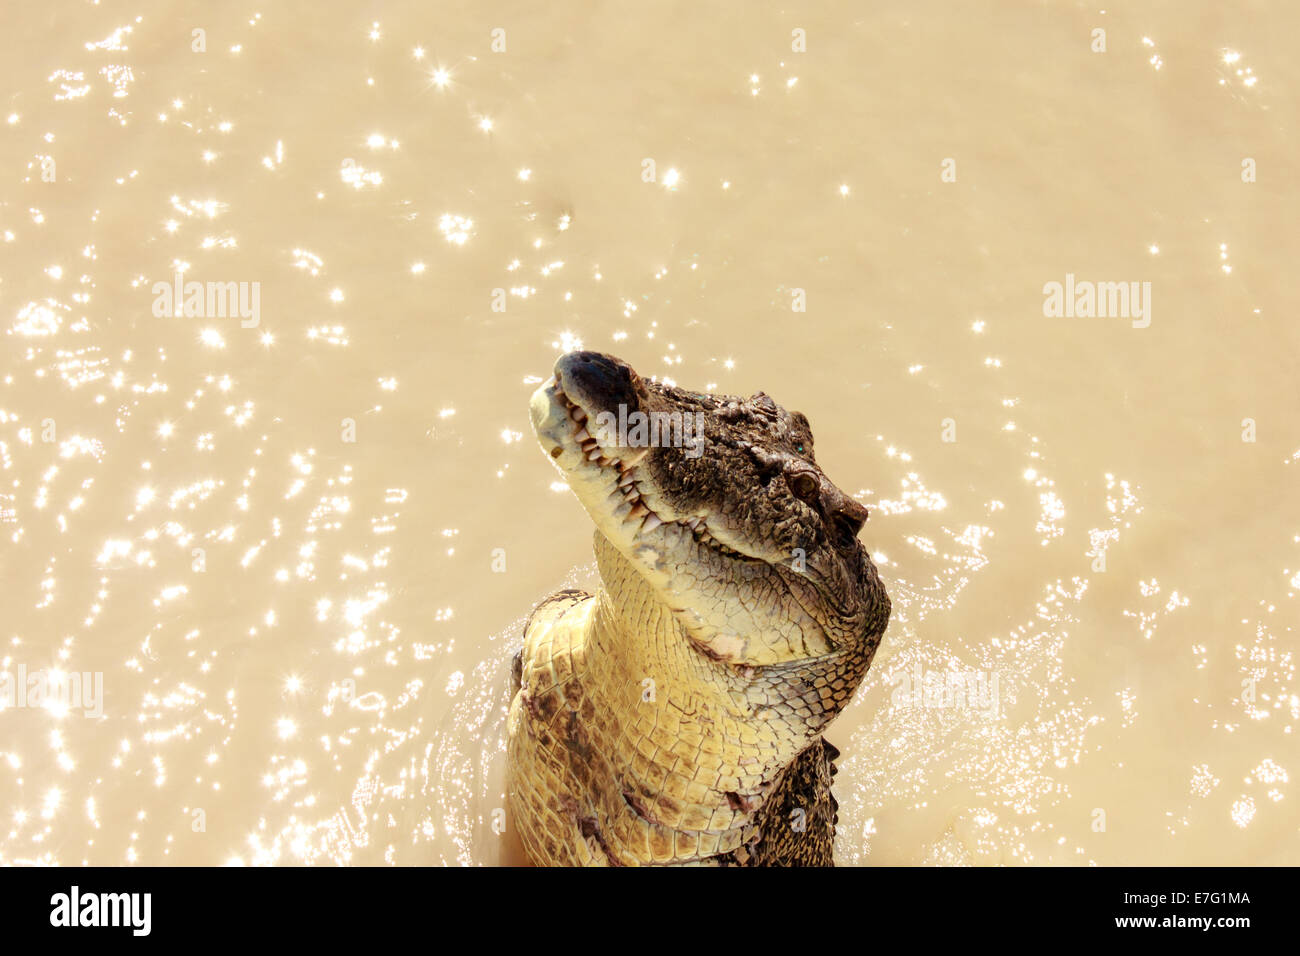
{"x":276,"y":538}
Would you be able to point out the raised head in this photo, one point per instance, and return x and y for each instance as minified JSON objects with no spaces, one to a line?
{"x":719,"y":504}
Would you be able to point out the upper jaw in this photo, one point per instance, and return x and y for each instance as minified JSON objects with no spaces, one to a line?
{"x":610,"y":481}
{"x":606,"y":480}
{"x":624,"y":503}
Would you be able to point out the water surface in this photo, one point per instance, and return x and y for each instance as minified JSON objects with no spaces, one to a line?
{"x":278,"y":543}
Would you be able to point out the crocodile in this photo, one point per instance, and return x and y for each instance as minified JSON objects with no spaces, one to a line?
{"x":675,"y":716}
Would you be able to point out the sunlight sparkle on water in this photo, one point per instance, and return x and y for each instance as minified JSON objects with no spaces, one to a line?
{"x":456,"y":229}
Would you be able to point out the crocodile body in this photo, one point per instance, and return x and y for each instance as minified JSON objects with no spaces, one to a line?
{"x":675,"y":716}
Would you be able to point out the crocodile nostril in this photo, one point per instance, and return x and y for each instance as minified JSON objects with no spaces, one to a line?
{"x":598,"y":382}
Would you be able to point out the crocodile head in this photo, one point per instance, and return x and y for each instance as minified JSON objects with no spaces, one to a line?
{"x":720,"y":506}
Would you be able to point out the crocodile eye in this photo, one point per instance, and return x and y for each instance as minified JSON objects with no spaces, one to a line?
{"x":804,"y":487}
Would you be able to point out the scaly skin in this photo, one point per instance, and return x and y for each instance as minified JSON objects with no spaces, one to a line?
{"x":675,"y":716}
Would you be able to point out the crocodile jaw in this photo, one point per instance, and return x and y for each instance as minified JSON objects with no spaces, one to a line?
{"x":757,"y":571}
{"x":657,"y":539}
{"x":605,"y":481}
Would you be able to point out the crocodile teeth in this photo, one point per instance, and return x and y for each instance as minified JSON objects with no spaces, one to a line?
{"x":638,"y":510}
{"x":582,"y":435}
{"x":577,"y":414}
{"x":625,"y":480}
{"x":594,"y":454}
{"x":652,"y":521}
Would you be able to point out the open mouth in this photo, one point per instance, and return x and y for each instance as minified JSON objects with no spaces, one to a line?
{"x":619,"y":470}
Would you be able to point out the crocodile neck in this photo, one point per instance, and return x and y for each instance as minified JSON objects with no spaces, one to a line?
{"x":678,"y":708}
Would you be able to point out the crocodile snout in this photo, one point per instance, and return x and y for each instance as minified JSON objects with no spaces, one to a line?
{"x":599,"y":382}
